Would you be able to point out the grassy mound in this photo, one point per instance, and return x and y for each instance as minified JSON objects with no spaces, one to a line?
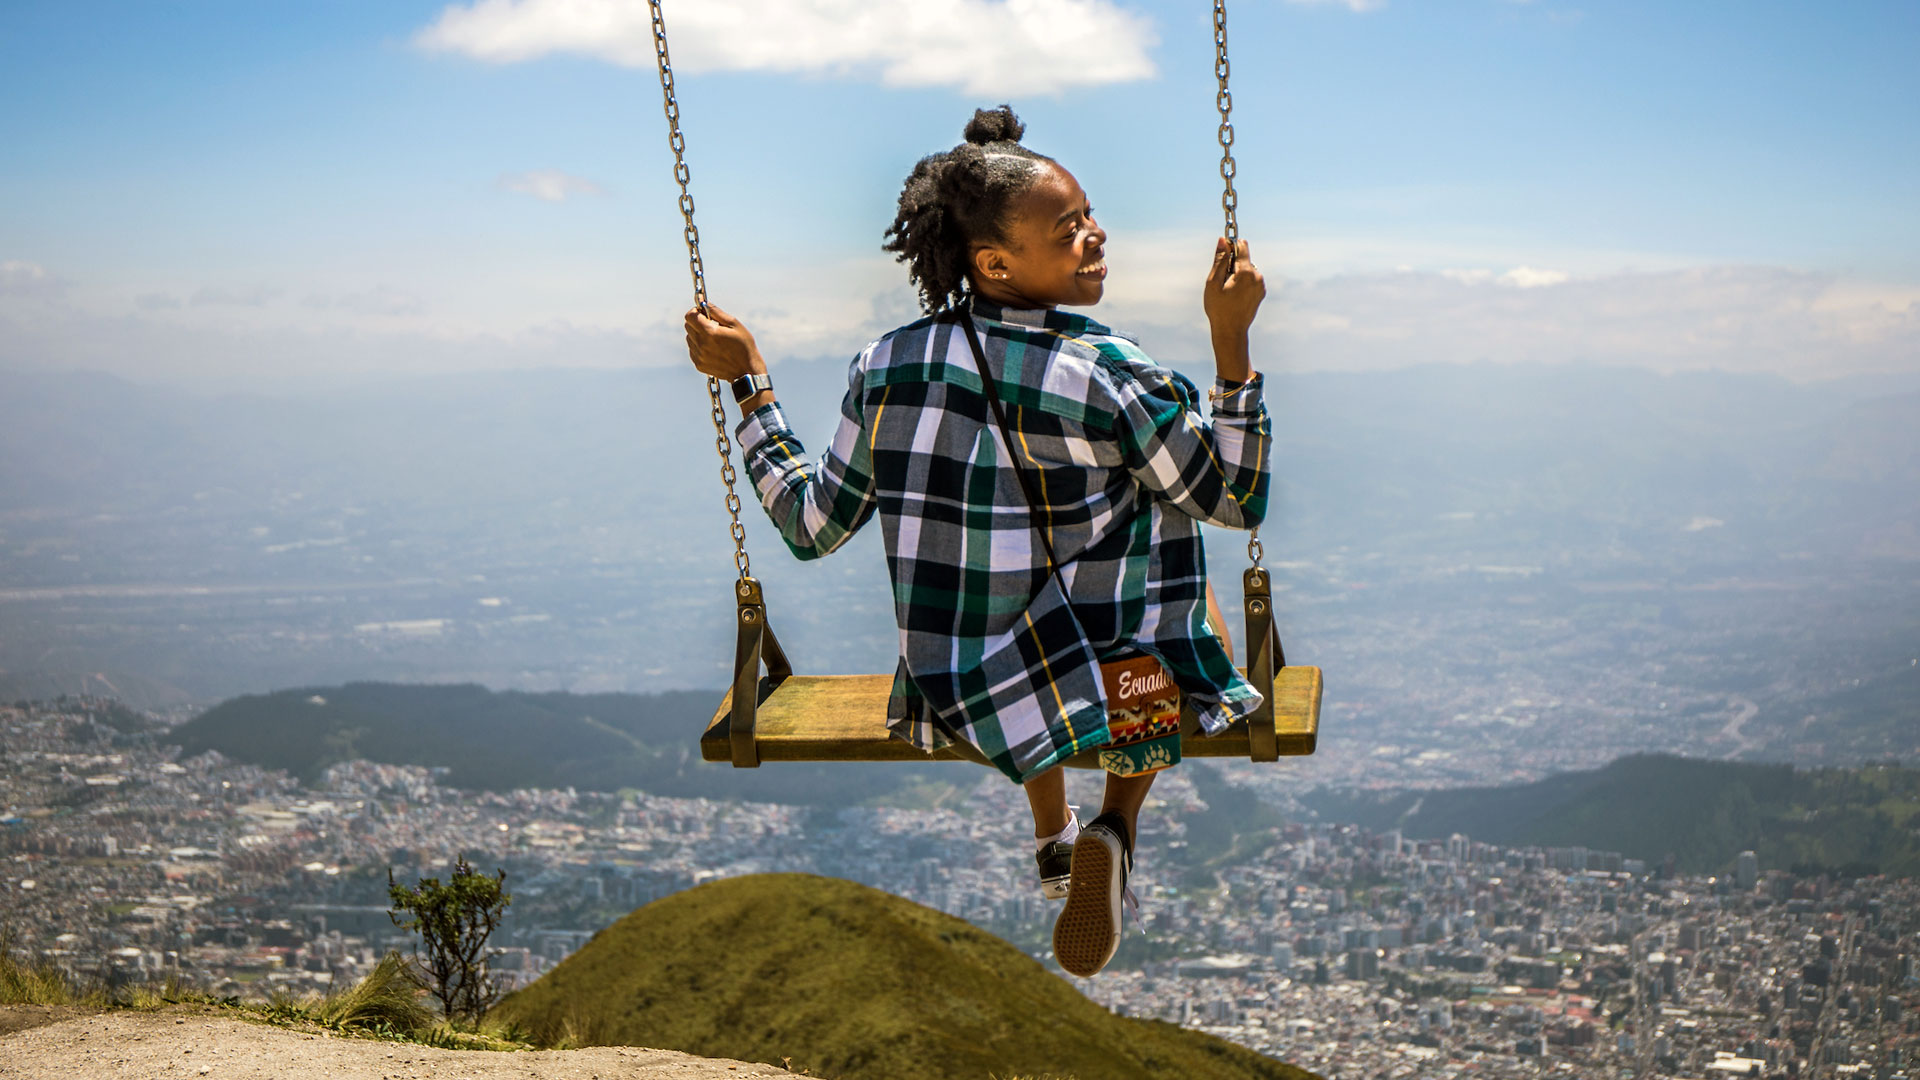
{"x":849,"y":983}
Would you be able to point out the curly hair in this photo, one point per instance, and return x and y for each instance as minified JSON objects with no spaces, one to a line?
{"x":958,"y":198}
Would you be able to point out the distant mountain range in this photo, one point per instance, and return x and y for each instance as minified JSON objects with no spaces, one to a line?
{"x":852,"y":983}
{"x":507,"y":740}
{"x":1704,"y":813}
{"x":1645,"y":806}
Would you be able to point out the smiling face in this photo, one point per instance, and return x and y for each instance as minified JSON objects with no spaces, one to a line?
{"x":1053,"y":253}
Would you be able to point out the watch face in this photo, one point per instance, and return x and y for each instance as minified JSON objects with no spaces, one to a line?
{"x":748,"y":385}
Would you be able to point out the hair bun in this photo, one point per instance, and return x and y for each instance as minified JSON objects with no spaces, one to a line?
{"x":994,"y":125}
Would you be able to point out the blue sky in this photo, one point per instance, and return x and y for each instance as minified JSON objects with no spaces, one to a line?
{"x":225,"y":189}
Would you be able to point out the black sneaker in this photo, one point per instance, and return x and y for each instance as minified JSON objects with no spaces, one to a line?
{"x":1056,"y":866}
{"x":1087,"y":933}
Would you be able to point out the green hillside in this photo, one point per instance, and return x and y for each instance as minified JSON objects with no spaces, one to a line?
{"x":499,"y":741}
{"x":1851,"y":821}
{"x":853,"y":984}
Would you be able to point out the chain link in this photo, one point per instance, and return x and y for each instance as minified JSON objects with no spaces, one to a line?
{"x":722,"y":445}
{"x":1229,"y":199}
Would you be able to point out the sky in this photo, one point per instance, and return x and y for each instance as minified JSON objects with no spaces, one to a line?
{"x":244,"y":191}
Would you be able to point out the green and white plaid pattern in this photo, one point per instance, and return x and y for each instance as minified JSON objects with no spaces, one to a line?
{"x":992,"y":651}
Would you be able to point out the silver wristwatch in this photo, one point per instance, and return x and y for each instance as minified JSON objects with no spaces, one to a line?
{"x":748,"y":385}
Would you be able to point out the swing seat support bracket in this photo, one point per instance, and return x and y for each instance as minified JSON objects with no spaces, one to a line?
{"x":754,"y":646}
{"x":1265,"y":660}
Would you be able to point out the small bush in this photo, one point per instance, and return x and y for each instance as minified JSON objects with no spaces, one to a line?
{"x":454,"y":921}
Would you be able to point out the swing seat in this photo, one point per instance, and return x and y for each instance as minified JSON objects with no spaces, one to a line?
{"x":780,"y":716}
{"x":844,"y":718}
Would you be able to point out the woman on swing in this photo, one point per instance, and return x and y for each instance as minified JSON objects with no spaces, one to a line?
{"x":1040,"y":484}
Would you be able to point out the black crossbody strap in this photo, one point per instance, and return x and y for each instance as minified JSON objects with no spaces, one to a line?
{"x":990,"y":389}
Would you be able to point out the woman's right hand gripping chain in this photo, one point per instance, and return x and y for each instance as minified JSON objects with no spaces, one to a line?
{"x":1234,"y":290}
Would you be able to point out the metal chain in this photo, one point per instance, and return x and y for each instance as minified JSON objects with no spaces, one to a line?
{"x":1229,"y":199}
{"x":721,"y":443}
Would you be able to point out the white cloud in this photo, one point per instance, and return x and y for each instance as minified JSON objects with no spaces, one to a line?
{"x":16,"y":273}
{"x":21,"y":278}
{"x":1350,"y":5}
{"x":148,"y":346}
{"x":1001,"y":48}
{"x":1739,"y":318}
{"x":550,"y":185}
{"x":1754,"y":319}
{"x":1527,"y":277}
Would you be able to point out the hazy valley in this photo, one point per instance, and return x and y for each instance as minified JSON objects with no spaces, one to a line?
{"x":1504,"y":571}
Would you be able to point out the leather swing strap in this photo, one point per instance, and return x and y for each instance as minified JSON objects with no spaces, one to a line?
{"x":991,"y":391}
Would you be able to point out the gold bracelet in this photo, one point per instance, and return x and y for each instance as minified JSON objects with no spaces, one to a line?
{"x":1215,"y":394}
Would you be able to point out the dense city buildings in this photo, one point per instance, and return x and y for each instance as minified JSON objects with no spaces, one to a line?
{"x":1354,"y":953}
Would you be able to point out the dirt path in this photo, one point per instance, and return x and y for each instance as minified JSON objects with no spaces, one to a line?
{"x":189,"y":1045}
{"x":21,"y":1017}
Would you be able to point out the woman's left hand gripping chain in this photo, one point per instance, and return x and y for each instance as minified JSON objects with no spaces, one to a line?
{"x":721,"y":346}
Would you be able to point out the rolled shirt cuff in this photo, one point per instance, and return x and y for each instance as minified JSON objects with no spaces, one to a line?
{"x":1246,"y":399}
{"x":760,"y":426}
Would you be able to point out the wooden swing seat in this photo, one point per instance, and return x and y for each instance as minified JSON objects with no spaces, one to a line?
{"x":843,"y":718}
{"x":780,"y":716}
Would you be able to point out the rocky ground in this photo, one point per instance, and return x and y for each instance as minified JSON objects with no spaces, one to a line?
{"x":189,"y":1042}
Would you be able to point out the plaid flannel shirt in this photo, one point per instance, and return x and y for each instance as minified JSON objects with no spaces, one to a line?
{"x":992,"y":651}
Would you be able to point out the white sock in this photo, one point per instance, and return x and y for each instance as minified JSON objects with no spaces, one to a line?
{"x":1068,"y":834}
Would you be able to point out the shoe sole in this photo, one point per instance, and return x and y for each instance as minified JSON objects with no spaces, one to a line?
{"x":1054,"y":888}
{"x":1087,"y":933}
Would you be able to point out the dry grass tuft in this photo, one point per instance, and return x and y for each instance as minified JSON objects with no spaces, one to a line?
{"x":152,"y":997}
{"x":34,"y":982}
{"x":581,"y":1027}
{"x":388,"y":998}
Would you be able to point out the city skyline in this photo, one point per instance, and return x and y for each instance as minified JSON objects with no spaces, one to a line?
{"x":1345,"y":950}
